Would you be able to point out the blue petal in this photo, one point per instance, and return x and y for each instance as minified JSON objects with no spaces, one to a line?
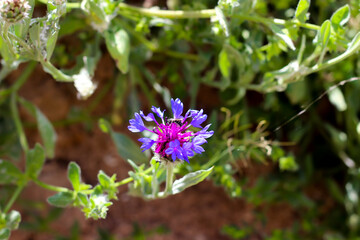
{"x":150,"y":117}
{"x":158,"y":112}
{"x":177,"y":108}
{"x":198,"y":119}
{"x":147,"y":143}
{"x":136,"y":125}
{"x":204,"y":133}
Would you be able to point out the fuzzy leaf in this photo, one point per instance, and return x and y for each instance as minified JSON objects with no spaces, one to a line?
{"x":61,"y":199}
{"x":74,"y":175}
{"x":189,"y":180}
{"x":118,"y":45}
{"x":35,"y":160}
{"x":127,"y":149}
{"x":47,"y":133}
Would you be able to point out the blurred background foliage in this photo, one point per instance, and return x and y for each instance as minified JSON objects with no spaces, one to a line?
{"x":252,"y":66}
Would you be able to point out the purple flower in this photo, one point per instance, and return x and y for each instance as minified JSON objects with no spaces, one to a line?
{"x":174,"y":139}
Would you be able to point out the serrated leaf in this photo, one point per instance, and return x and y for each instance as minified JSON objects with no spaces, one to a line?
{"x":127,"y":148}
{"x":118,"y":45}
{"x":189,"y":180}
{"x":340,"y":17}
{"x":8,"y":172}
{"x":35,"y":160}
{"x":61,"y":199}
{"x":281,"y":33}
{"x":47,"y":133}
{"x":74,"y":175}
{"x":302,"y":9}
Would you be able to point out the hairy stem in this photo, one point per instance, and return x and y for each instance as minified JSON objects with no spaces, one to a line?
{"x":13,"y":198}
{"x":56,"y":73}
{"x":169,"y":178}
{"x":50,"y":187}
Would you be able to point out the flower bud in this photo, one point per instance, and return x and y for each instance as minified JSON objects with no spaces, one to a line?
{"x":13,"y":11}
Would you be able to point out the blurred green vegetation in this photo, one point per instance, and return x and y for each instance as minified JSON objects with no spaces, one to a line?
{"x":252,"y":66}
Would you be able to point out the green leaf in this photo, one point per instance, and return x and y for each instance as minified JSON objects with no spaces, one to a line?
{"x":127,"y":149}
{"x":35,"y":160}
{"x":336,"y":97}
{"x":118,"y":45}
{"x":189,"y":180}
{"x":340,"y":17}
{"x":104,"y":179}
{"x":74,"y":175}
{"x":224,"y":63}
{"x":45,"y":127}
{"x":302,"y":9}
{"x":104,"y":126}
{"x":13,"y":220}
{"x":61,"y":199}
{"x":8,"y":172}
{"x":288,"y":164}
{"x":47,"y":133}
{"x":354,"y":45}
{"x":282,"y":33}
{"x":4,"y":234}
{"x":325,"y":32}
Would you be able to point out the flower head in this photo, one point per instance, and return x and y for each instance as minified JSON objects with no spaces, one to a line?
{"x":13,"y":11}
{"x":174,"y":139}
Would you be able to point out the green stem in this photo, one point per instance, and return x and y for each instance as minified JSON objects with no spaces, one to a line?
{"x":69,"y":6}
{"x":208,"y":13}
{"x":50,"y":187}
{"x":169,"y":178}
{"x":130,"y":179}
{"x":14,"y":197}
{"x":15,"y":114}
{"x":177,"y":14}
{"x":56,"y":73}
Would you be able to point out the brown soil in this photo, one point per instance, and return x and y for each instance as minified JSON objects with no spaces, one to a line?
{"x":198,"y":213}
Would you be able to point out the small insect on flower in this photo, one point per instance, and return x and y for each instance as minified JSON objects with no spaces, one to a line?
{"x":173,"y":141}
